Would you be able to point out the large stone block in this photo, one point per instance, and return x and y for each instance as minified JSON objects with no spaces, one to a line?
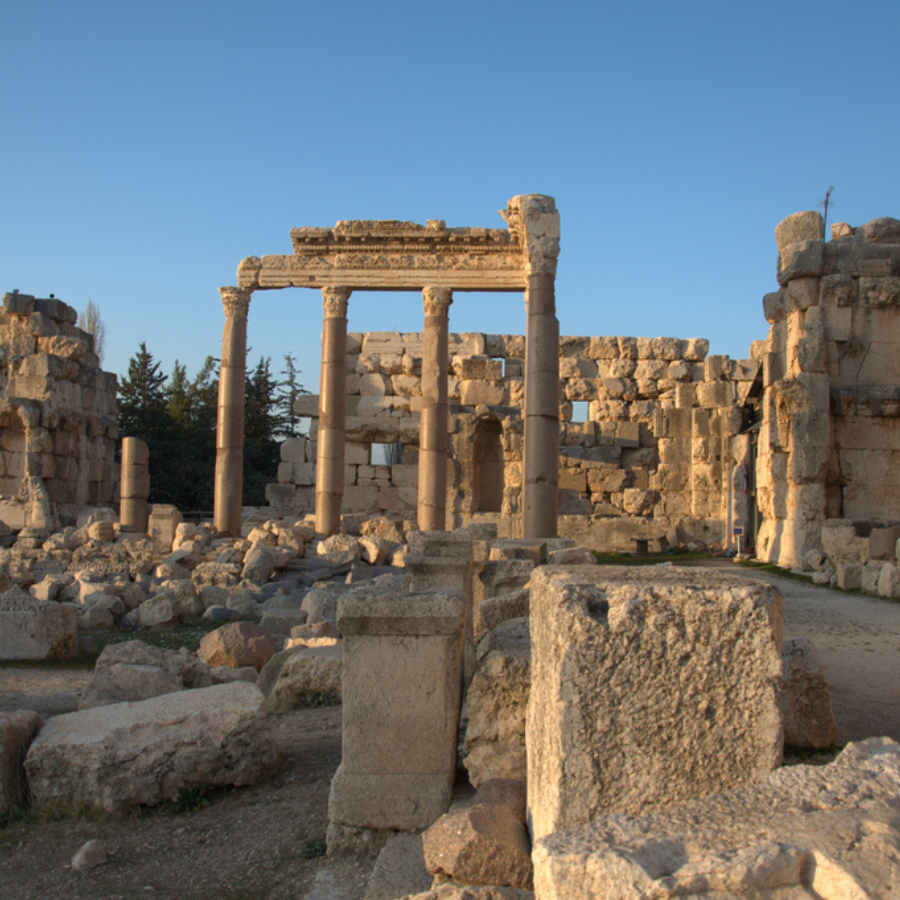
{"x":497,"y":699}
{"x":36,"y":629}
{"x":648,"y":690}
{"x":812,"y":831}
{"x":144,"y":753}
{"x":402,"y":690}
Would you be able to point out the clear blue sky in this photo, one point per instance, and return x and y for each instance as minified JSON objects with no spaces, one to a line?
{"x":148,"y":147}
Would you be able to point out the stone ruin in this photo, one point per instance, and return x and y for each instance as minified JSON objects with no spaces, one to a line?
{"x":626,"y":727}
{"x":57,"y":416}
{"x":652,"y":454}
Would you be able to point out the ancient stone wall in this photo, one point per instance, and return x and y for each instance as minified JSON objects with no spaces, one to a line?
{"x":829,"y":448}
{"x":57,"y":416}
{"x":648,"y":432}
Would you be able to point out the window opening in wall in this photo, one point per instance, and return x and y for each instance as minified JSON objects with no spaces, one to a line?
{"x":580,"y":411}
{"x":385,"y":454}
{"x":489,"y":470}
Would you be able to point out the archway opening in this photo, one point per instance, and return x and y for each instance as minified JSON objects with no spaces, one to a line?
{"x":489,"y":470}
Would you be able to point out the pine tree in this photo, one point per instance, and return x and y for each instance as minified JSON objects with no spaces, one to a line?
{"x":289,"y":389}
{"x":260,"y":428}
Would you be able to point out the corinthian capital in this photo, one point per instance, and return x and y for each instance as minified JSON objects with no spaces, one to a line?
{"x":334,"y":302}
{"x":436,"y":300}
{"x":236,"y":302}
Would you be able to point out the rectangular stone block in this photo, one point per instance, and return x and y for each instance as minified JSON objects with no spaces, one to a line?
{"x":644,"y":695}
{"x":402,"y":693}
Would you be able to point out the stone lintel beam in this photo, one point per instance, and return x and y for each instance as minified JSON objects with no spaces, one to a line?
{"x":273,"y":272}
{"x":432,"y":503}
{"x":332,"y":411}
{"x":230,"y":413}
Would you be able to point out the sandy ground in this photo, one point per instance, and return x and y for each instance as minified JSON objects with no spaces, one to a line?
{"x":266,"y":841}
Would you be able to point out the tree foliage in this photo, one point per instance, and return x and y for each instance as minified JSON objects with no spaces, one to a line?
{"x":176,"y":417}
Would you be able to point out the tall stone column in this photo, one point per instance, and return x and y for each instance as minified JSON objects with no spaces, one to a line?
{"x":432,"y":506}
{"x":538,"y":222}
{"x":332,"y":412}
{"x":541,"y":452}
{"x":134,"y":513}
{"x":230,"y":413}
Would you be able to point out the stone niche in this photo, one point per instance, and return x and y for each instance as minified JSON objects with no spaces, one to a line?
{"x":648,"y":433}
{"x":57,"y":416}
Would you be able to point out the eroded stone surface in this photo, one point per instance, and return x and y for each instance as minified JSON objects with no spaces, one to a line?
{"x":648,"y":690}
{"x":144,"y":753}
{"x":831,"y":832}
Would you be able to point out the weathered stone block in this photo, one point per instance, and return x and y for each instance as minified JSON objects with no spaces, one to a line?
{"x":130,"y":754}
{"x":17,"y":730}
{"x":36,"y":629}
{"x":796,"y":836}
{"x":644,"y":695}
{"x":402,"y":687}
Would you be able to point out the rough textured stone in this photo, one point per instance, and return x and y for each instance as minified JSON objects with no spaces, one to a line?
{"x":402,"y":686}
{"x":484,"y":842}
{"x":829,"y":832}
{"x":238,"y":644}
{"x":17,"y":730}
{"x":339,"y":549}
{"x":311,"y":675}
{"x":806,"y":703}
{"x":36,"y":629}
{"x":648,"y":690}
{"x":144,"y":753}
{"x":493,"y":611}
{"x":133,"y":670}
{"x":498,"y":699}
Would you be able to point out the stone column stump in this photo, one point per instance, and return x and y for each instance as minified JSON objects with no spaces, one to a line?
{"x":134,"y":513}
{"x":401,"y":690}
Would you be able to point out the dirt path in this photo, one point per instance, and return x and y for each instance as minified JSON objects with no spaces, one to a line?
{"x":858,"y":640}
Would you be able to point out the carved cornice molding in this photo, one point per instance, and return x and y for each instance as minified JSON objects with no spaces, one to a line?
{"x":436,"y":300}
{"x":392,"y":255}
{"x":235,"y":301}
{"x":334,"y":302}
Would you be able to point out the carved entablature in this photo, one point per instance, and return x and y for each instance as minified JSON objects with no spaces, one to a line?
{"x":393,"y":255}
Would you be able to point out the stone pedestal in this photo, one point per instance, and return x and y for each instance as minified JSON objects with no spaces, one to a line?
{"x":332,"y":412}
{"x":438,"y":560}
{"x":401,"y":690}
{"x":230,"y":417}
{"x":432,"y":502}
{"x":134,"y":513}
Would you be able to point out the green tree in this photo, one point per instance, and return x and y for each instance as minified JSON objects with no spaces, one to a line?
{"x":289,"y":389}
{"x":261,"y":427}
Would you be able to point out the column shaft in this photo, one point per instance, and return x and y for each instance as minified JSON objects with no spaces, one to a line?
{"x":230,"y":413}
{"x":332,"y":412}
{"x":540,"y":487}
{"x":432,"y":502}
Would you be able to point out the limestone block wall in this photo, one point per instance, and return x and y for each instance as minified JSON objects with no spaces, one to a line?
{"x":57,"y":415}
{"x":829,"y":447}
{"x":648,"y":433}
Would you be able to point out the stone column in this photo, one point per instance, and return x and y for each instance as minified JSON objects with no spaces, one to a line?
{"x":134,"y":513}
{"x":537,"y":221}
{"x":541,"y":453}
{"x":332,"y":412}
{"x":230,"y":417}
{"x":432,"y":508}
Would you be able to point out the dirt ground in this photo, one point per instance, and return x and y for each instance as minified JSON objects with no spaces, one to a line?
{"x":267,"y":841}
